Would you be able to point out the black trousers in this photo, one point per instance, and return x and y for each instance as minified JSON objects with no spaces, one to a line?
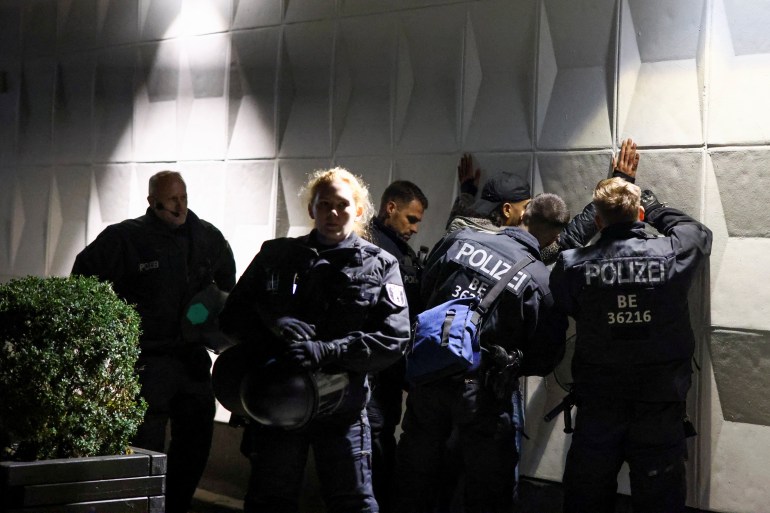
{"x":648,"y":435}
{"x":174,"y":392}
{"x":484,"y":446}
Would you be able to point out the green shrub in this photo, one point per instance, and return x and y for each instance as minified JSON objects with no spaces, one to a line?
{"x":68,"y":388}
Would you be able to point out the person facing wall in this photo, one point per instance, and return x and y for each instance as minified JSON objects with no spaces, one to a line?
{"x":628,"y":294}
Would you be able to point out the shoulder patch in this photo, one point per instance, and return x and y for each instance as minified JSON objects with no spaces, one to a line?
{"x":396,"y":294}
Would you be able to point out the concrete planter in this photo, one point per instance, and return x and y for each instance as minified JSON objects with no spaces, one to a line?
{"x":132,"y":483}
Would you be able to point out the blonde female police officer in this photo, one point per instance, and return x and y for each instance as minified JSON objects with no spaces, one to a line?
{"x":328,"y":300}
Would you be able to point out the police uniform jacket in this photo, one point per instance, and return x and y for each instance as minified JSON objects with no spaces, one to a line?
{"x":468,"y":262}
{"x":408,"y":262}
{"x":351,"y":293}
{"x":158,"y":269}
{"x":628,"y":295}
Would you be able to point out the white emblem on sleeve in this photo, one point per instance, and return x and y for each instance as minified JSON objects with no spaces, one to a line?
{"x":396,"y":294}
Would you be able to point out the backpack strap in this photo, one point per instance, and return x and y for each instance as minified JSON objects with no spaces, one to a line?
{"x":490,"y":297}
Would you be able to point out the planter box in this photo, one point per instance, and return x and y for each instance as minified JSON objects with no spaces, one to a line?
{"x":132,"y":483}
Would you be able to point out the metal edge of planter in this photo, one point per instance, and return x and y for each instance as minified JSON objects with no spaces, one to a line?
{"x":61,"y":483}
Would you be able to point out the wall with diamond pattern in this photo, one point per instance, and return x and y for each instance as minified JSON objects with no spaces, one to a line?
{"x":245,"y":97}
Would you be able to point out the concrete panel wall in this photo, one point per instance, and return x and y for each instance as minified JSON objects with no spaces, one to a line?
{"x":246,"y":97}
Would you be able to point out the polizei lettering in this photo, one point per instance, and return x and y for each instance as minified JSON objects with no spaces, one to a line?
{"x":487,"y":262}
{"x":625,"y":271}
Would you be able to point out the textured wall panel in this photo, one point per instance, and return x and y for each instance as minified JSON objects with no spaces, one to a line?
{"x":659,"y":93}
{"x":257,"y":14}
{"x":363,"y":99}
{"x":739,"y":107}
{"x":114,"y":105}
{"x":110,"y":197}
{"x":429,"y":80}
{"x":734,"y":482}
{"x":499,"y":70}
{"x":739,"y":298}
{"x":576,"y":69}
{"x":36,"y":111}
{"x":30,"y":220}
{"x":572,"y":176}
{"x":675,"y":177}
{"x":249,"y":218}
{"x":308,"y":10}
{"x":78,"y":21}
{"x":155,"y":102}
{"x":7,"y":192}
{"x":202,"y":103}
{"x":119,"y":22}
{"x":206,"y":16}
{"x":743,"y":189}
{"x":38,"y":27}
{"x":348,"y":7}
{"x":73,"y":132}
{"x":252,"y":105}
{"x":10,"y":78}
{"x":67,"y":217}
{"x":740,"y":359}
{"x":10,"y":28}
{"x":304,"y":113}
{"x":10,"y":88}
{"x":159,"y":19}
{"x":206,"y":190}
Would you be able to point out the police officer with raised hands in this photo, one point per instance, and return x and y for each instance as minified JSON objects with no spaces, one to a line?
{"x":468,"y":262}
{"x":332,"y":301}
{"x":628,"y":293}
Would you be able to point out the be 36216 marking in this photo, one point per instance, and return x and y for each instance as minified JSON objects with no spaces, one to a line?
{"x":628,"y":311}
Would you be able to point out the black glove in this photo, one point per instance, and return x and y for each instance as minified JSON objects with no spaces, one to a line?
{"x":293,"y":330}
{"x":649,"y":201}
{"x":312,"y":354}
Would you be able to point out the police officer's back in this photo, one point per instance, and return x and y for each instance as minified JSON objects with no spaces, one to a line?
{"x":631,"y":369}
{"x":468,"y":262}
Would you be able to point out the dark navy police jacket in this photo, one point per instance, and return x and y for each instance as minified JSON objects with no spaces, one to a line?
{"x":352,"y":293}
{"x":628,"y":294}
{"x":159,"y":269}
{"x":469,"y":262}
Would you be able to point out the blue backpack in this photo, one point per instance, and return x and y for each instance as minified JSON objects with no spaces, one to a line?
{"x":445,"y":338}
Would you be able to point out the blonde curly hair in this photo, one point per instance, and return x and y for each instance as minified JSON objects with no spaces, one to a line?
{"x":358,"y":186}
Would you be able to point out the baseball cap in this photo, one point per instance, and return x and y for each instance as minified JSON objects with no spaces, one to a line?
{"x":503,"y":188}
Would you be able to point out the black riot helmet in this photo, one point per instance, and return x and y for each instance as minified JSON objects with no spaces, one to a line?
{"x":275,"y":393}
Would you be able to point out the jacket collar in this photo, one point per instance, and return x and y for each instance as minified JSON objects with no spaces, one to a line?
{"x":523,"y":237}
{"x":619,"y":231}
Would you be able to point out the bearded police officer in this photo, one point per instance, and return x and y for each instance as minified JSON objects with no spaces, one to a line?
{"x":467,"y":263}
{"x":631,"y":368}
{"x":402,"y":207}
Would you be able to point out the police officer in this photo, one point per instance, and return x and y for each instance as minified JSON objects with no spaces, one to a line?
{"x":158,"y":262}
{"x":402,"y":207}
{"x":468,"y":262}
{"x":328,"y":300}
{"x":631,"y":368}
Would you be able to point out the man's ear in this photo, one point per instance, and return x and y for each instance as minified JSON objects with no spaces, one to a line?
{"x":641,"y":213}
{"x":310,"y":211}
{"x":391,"y":207}
{"x":599,"y":222}
{"x":359,"y":211}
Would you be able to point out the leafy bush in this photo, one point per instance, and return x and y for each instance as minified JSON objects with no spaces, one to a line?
{"x":68,"y":347}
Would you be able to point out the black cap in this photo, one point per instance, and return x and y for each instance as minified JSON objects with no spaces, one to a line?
{"x":503,"y":188}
